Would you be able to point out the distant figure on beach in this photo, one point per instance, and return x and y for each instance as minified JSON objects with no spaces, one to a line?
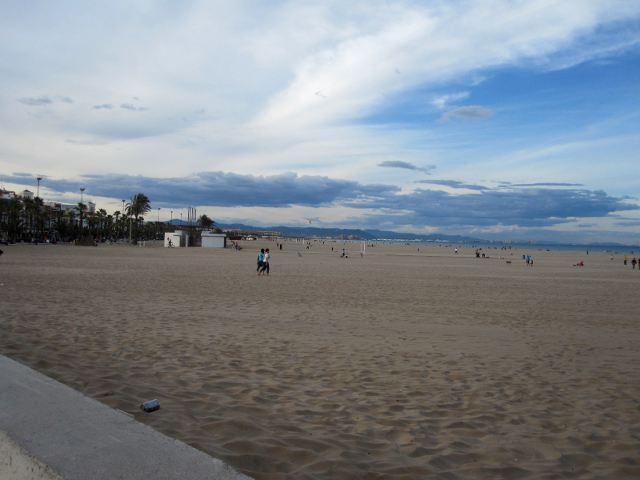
{"x":456,"y":250}
{"x":531,"y":261}
{"x":527,"y":259}
{"x":633,"y":263}
{"x":260,"y":260}
{"x":265,"y":262}
{"x":170,"y":243}
{"x":624,"y":262}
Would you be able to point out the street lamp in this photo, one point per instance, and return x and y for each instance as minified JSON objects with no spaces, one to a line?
{"x":82,"y":189}
{"x":124,"y":222}
{"x":38,"y":190}
{"x":171,"y":221}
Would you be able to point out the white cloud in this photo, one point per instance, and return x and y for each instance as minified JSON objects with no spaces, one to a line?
{"x":443,"y":101}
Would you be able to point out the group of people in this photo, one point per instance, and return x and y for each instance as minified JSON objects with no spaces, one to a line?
{"x":528,"y":259}
{"x":263,"y":262}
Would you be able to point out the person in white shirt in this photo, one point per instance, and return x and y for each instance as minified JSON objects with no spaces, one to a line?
{"x":265,"y":262}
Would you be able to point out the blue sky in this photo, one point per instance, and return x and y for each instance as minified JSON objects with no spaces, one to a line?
{"x":499,"y":119}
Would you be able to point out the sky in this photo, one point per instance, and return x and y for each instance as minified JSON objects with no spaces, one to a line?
{"x":506,"y":120}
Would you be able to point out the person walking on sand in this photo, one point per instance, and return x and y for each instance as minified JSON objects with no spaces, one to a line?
{"x":265,"y":262}
{"x":260,"y":260}
{"x":633,"y":263}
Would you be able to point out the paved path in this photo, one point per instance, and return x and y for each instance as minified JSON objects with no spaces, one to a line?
{"x":48,"y":423}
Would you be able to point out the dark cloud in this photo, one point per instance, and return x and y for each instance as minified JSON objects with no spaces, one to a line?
{"x":469,"y":112}
{"x":485,"y":207}
{"x":406,"y":166}
{"x":227,"y":189}
{"x":628,"y":223}
{"x":544,"y":184}
{"x":36,"y":101}
{"x":103,"y":106}
{"x":130,"y":106}
{"x":44,"y":100}
{"x":454,"y":184}
{"x":23,"y":175}
{"x":523,"y":207}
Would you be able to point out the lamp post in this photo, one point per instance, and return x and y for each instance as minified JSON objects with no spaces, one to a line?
{"x":124,"y":223}
{"x":171,"y":221}
{"x":158,"y":224}
{"x":82,"y":189}
{"x":38,"y":189}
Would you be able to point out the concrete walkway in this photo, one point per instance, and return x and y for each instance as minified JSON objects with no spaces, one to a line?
{"x":52,"y":429}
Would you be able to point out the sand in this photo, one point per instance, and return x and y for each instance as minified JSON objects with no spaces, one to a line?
{"x":398,"y":365}
{"x":17,"y":464}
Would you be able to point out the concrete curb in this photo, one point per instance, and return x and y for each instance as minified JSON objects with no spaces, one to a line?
{"x":80,"y":438}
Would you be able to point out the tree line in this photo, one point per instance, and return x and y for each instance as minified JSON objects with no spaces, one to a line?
{"x":30,"y":220}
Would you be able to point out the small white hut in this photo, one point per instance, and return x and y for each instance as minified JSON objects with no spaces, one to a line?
{"x":214,"y":240}
{"x":179,"y":238}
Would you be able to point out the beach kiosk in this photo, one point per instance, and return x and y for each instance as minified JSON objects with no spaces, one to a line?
{"x":179,"y":238}
{"x":214,"y":240}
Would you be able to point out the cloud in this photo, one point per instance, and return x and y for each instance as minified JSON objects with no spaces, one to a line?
{"x":454,"y":184}
{"x":44,"y":100}
{"x":526,"y":207}
{"x":544,"y":184}
{"x":36,"y":101}
{"x":407,"y":166}
{"x":628,"y":223}
{"x":469,"y":112}
{"x":356,"y":64}
{"x":129,"y":106}
{"x":226,"y":189}
{"x":441,"y":102}
{"x":103,"y":106}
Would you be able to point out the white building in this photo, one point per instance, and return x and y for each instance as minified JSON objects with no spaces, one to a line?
{"x":179,"y":238}
{"x":214,"y":240}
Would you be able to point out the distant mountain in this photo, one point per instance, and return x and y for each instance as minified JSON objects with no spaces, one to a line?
{"x":372,"y":234}
{"x":353,"y":233}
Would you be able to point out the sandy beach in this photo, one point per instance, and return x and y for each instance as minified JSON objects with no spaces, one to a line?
{"x":401,"y":364}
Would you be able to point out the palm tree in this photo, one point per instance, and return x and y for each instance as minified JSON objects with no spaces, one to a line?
{"x":116,"y":232}
{"x":14,"y":219}
{"x":205,"y":222}
{"x":138,"y":206}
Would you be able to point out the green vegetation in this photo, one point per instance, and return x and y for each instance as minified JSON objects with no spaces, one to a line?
{"x":31,"y":220}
